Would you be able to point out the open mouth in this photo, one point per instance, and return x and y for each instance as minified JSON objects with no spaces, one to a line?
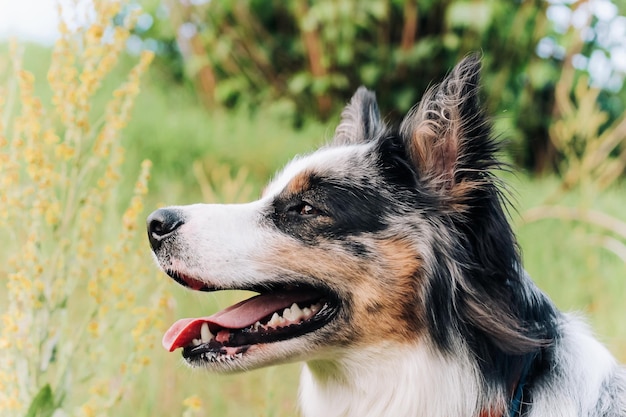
{"x":277,"y":313}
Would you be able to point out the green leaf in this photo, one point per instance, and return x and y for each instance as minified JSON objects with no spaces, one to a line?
{"x":195,"y":63}
{"x":300,"y":82}
{"x":451,"y":41}
{"x":474,"y":15}
{"x":43,"y":403}
{"x":339,"y":81}
{"x":378,"y":9}
{"x":405,"y":99}
{"x":541,"y":73}
{"x":228,"y":89}
{"x":345,"y":54}
{"x":320,"y":85}
{"x":370,"y":73}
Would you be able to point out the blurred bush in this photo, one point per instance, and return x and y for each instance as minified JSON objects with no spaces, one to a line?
{"x":305,"y":58}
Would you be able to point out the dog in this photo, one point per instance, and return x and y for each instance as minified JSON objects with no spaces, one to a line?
{"x":385,"y":261}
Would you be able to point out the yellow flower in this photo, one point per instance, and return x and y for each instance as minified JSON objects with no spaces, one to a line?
{"x":58,"y":173}
{"x":64,"y":151}
{"x":88,"y":411}
{"x":95,"y":32}
{"x":53,"y":213}
{"x":193,"y":403}
{"x":50,"y":137}
{"x":10,"y":326}
{"x":94,"y":328}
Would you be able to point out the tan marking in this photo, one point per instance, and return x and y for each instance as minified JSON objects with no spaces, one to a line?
{"x":462,"y":192}
{"x":384,"y":289}
{"x":401,"y":258}
{"x":434,"y":148}
{"x":299,"y":183}
{"x":395,"y":291}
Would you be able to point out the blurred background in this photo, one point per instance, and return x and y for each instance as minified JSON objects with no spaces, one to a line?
{"x":218,"y":95}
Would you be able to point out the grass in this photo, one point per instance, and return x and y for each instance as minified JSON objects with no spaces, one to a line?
{"x":565,"y":262}
{"x":185,"y":132}
{"x":170,"y":128}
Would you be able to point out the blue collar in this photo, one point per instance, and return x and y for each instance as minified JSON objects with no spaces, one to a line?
{"x":515,"y":409}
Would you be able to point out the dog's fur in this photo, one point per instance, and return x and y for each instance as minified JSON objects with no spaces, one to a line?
{"x":405,"y":231}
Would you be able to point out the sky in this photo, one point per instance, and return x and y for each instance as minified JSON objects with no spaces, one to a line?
{"x":33,"y":20}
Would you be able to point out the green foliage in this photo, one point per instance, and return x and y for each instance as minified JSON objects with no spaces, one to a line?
{"x":306,"y":58}
{"x":43,"y":404}
{"x":184,"y":132}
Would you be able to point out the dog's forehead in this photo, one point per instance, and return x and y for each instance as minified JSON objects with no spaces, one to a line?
{"x":340,"y":160}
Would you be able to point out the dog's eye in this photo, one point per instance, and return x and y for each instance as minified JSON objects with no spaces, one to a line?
{"x":305,"y":209}
{"x":308,"y":210}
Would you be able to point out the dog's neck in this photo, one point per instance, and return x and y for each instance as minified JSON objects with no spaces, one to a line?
{"x":385,"y":381}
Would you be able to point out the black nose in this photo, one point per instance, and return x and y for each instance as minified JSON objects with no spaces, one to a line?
{"x":161,"y":224}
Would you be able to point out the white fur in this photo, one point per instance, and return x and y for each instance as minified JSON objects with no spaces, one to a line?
{"x":387,"y":381}
{"x":582,"y":366}
{"x":324,"y":159}
{"x":221,"y":241}
{"x":390,"y":381}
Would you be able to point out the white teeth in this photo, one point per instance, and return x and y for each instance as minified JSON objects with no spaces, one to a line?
{"x":196,"y":342}
{"x":205,"y":333}
{"x":296,"y":313}
{"x":293,"y":313}
{"x":290,"y":315}
{"x":274,"y":321}
{"x":257,"y":325}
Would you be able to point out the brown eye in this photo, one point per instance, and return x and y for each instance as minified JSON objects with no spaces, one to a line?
{"x":304,"y":209}
{"x":308,"y":210}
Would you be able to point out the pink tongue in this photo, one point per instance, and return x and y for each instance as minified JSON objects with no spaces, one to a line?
{"x":238,"y":316}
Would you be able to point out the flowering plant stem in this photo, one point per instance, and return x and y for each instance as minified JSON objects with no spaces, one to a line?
{"x":74,"y":330}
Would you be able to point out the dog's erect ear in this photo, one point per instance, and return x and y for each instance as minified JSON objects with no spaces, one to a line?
{"x":360,"y":120}
{"x":447,"y":136}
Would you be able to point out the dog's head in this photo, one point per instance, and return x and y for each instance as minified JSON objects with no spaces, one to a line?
{"x":382,"y":237}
